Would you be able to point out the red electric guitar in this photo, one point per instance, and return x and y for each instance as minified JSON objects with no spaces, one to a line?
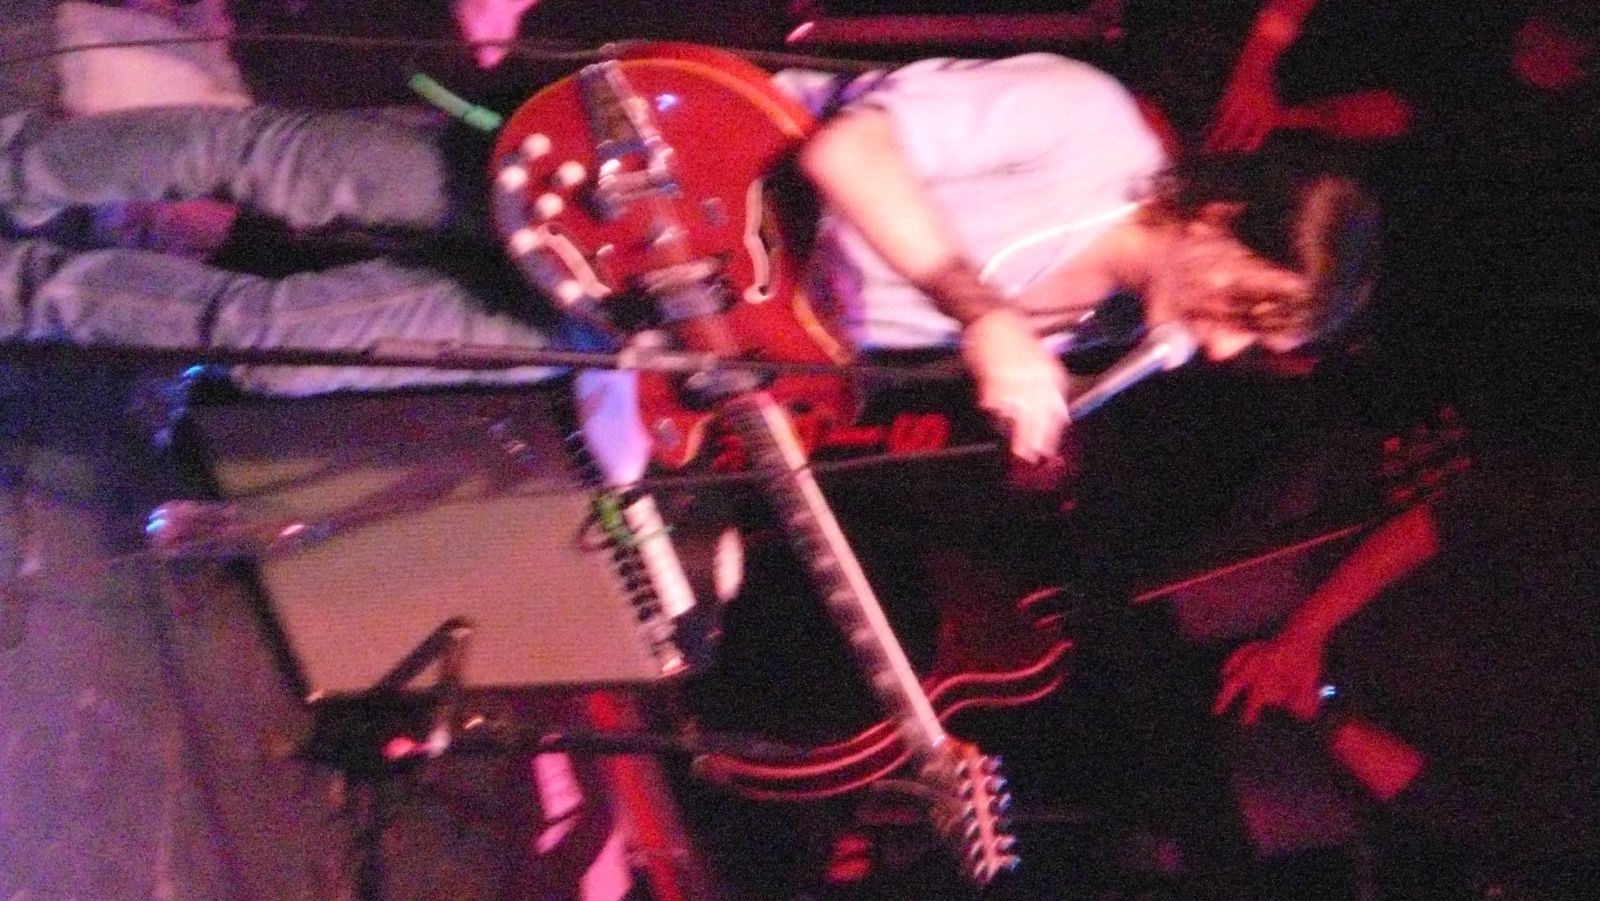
{"x":666,"y":151}
{"x":634,"y":193}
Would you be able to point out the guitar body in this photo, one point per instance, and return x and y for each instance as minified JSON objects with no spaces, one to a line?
{"x":594,"y":256}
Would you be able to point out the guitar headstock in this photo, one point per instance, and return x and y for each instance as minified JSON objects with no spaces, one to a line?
{"x":968,"y":808}
{"x":1420,"y":463}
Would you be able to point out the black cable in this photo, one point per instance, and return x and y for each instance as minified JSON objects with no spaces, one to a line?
{"x":533,"y":50}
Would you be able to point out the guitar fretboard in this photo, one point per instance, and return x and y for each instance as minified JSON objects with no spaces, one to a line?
{"x":819,"y":540}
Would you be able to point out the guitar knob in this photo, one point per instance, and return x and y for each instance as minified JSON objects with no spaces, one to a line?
{"x":569,"y":175}
{"x":512,"y":178}
{"x":1006,"y":843}
{"x":549,"y":205}
{"x":1000,"y":804}
{"x":524,"y":241}
{"x":991,"y":764}
{"x":535,"y":146}
{"x":666,"y":433}
{"x":995,"y":784}
{"x":1011,"y":863}
{"x":569,"y":292}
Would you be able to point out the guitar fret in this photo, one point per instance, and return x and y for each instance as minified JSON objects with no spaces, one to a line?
{"x":845,"y":591}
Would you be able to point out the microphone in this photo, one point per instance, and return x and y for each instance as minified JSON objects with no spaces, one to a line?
{"x":1167,"y":346}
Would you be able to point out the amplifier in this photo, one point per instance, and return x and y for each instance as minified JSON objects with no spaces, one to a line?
{"x":391,"y":515}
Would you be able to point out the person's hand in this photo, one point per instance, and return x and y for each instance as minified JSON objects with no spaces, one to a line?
{"x":1248,"y":112}
{"x":491,"y":25}
{"x":1019,"y":382}
{"x":1283,"y":673}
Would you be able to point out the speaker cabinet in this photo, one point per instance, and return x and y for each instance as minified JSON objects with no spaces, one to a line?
{"x":377,"y":519}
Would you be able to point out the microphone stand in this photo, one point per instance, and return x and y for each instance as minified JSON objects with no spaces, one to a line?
{"x":454,"y":356}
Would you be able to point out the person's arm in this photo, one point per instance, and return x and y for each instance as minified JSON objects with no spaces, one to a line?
{"x":857,"y":164}
{"x":1250,"y":109}
{"x":1393,"y":551}
{"x":1284,"y":672}
{"x":856,"y":161}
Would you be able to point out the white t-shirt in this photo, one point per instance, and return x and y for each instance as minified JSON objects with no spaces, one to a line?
{"x":1029,"y":159}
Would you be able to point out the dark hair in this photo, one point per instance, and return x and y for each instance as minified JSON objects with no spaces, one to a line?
{"x":1313,"y":220}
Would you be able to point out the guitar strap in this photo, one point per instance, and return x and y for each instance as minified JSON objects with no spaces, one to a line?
{"x":824,"y":94}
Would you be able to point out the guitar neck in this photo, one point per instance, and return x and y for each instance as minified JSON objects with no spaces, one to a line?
{"x":776,"y":453}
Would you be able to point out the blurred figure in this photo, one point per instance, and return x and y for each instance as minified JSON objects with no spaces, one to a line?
{"x":1448,"y":664}
{"x":1554,"y":47}
{"x":149,"y":73}
{"x":490,"y":26}
{"x":1252,"y":108}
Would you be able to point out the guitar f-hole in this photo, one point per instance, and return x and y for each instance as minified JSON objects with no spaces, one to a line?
{"x":761,"y":242}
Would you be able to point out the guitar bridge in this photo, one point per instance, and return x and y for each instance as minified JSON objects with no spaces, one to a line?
{"x":633,"y":160}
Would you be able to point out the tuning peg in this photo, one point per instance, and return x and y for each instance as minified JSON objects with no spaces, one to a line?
{"x":995,"y":785}
{"x":1005,"y":843}
{"x":982,"y":872}
{"x":1000,"y":804}
{"x":1010,"y":863}
{"x":991,"y":764}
